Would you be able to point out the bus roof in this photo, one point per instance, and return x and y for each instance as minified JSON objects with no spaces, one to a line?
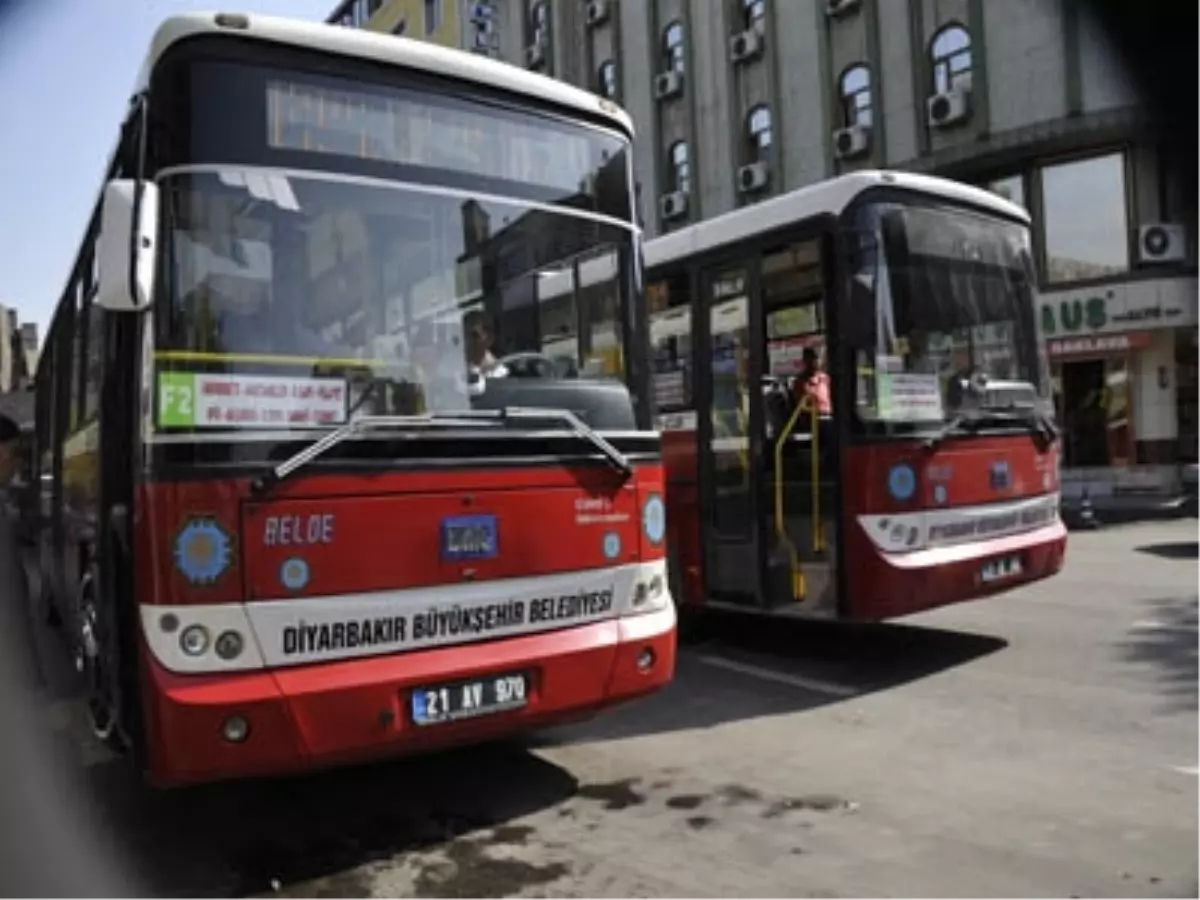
{"x":831,"y":196}
{"x":385,"y":48}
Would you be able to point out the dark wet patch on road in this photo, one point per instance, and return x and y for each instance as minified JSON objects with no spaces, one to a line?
{"x":698,"y":823}
{"x":467,"y":871}
{"x":685,"y":801}
{"x":615,"y":795}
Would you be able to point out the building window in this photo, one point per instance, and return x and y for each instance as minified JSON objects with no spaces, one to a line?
{"x":950,"y":54}
{"x":758,"y":129}
{"x":1085,"y":219}
{"x":539,"y":20}
{"x":673,"y":49}
{"x":607,"y":77}
{"x":681,"y":167}
{"x":433,"y":16}
{"x":854,"y":88}
{"x":1010,"y":188}
{"x":753,"y":12}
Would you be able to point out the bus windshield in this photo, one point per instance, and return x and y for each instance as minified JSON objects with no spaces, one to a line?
{"x":300,"y":279}
{"x":942,"y":317}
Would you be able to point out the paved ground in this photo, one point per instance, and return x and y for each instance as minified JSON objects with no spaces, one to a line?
{"x":1041,"y":743}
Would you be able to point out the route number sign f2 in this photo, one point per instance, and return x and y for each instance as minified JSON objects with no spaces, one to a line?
{"x":176,"y":399}
{"x":207,"y":400}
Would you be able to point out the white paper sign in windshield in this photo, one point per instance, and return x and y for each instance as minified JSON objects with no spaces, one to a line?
{"x":909,"y":397}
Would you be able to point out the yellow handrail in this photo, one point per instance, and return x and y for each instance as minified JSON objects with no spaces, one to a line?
{"x":781,"y":533}
{"x":818,"y":530}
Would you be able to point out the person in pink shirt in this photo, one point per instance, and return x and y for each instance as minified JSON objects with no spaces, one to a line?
{"x":813,"y":382}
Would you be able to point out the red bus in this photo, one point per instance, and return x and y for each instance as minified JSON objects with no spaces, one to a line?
{"x":859,"y":423}
{"x":297,"y":510}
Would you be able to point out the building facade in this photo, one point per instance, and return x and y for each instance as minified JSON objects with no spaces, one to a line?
{"x":18,"y":350}
{"x":738,"y":100}
{"x":450,"y":23}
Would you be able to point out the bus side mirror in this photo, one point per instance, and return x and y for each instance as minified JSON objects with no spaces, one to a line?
{"x":125,"y":247}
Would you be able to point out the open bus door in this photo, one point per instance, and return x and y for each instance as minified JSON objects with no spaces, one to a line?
{"x":729,"y":437}
{"x":802,"y":464}
{"x":768,"y":465}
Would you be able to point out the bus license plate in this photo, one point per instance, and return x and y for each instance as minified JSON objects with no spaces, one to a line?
{"x":467,"y":699}
{"x":469,"y":537}
{"x":1000,"y":569}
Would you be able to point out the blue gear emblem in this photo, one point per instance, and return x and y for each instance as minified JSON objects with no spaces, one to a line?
{"x":902,"y":482}
{"x":203,"y":551}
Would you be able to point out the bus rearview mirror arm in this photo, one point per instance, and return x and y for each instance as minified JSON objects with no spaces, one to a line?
{"x":125,"y":257}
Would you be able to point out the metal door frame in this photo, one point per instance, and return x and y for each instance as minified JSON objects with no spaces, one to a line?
{"x":749,"y":254}
{"x":748,"y":589}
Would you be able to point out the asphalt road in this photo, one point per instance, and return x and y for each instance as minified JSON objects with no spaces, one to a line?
{"x":1039,"y":743}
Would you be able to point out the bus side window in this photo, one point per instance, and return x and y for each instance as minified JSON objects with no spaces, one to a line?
{"x":669,"y":304}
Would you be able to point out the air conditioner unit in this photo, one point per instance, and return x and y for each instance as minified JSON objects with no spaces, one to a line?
{"x":673,"y":205}
{"x":840,"y":7}
{"x":667,"y":84}
{"x":597,"y":13}
{"x":535,"y":55}
{"x":753,"y":177}
{"x":852,"y":141}
{"x":948,"y":108}
{"x":1161,"y":242}
{"x":745,"y":46}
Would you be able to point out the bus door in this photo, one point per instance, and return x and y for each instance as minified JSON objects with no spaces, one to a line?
{"x":800,"y":460}
{"x":729,"y":435}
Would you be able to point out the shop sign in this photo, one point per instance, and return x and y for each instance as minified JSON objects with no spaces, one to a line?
{"x":1098,"y":345}
{"x":1156,"y":303}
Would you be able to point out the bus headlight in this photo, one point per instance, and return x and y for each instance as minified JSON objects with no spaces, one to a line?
{"x":654,"y":519}
{"x":193,"y":640}
{"x":229,"y":645}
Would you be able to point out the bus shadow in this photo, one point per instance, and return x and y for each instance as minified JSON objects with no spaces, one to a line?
{"x":310,"y":835}
{"x":736,"y":668}
{"x":320,"y":834}
{"x":1167,"y":644}
{"x":1173,"y":550}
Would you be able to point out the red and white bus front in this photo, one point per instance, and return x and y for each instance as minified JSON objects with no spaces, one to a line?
{"x":379,"y":510}
{"x":349,"y":618}
{"x":951,"y":466}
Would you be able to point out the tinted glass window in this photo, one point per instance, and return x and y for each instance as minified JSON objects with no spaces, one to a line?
{"x":1086,"y":221}
{"x":405,"y":130}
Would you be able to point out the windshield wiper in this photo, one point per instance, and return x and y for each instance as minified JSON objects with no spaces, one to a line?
{"x":976,"y":419}
{"x":960,"y":423}
{"x":362,"y":425}
{"x":472,"y":418}
{"x":1046,"y":430}
{"x":615,"y":457}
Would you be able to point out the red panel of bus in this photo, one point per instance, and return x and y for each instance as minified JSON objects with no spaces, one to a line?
{"x":349,"y":606}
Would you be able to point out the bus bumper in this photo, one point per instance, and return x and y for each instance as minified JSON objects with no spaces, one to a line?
{"x":331,"y":714}
{"x":901,"y":584}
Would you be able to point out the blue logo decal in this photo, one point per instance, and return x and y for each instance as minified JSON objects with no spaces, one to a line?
{"x":612,"y":545}
{"x":294,"y":574}
{"x":1000,"y":476}
{"x":654,"y":519}
{"x":203,"y":551}
{"x":939,"y":493}
{"x":902,"y":482}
